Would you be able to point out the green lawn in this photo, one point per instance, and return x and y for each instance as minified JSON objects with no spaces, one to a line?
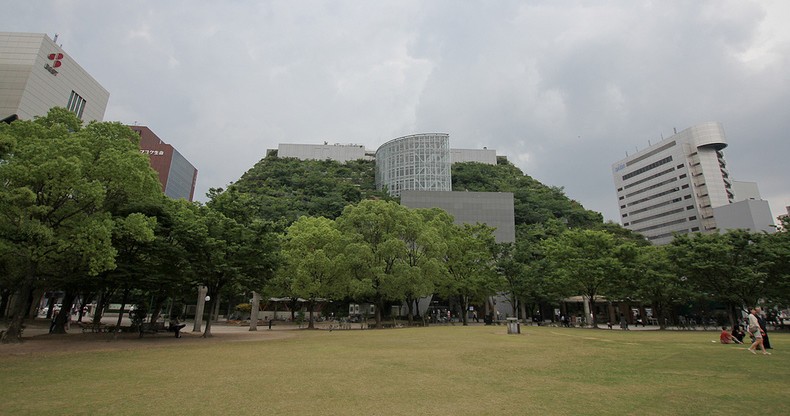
{"x":421,"y":371}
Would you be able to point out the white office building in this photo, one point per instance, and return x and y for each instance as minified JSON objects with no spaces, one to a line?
{"x":674,"y":187}
{"x":36,"y":74}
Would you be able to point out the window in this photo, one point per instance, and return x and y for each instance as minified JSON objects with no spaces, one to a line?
{"x":682,"y":176}
{"x":648,"y":167}
{"x":692,"y":218}
{"x":76,"y":104}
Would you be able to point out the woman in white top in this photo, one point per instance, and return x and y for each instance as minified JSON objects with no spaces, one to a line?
{"x":754,"y":329}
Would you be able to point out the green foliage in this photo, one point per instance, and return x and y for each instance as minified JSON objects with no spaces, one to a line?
{"x":471,"y":274}
{"x":285,"y":189}
{"x":589,"y":262}
{"x":534,"y":202}
{"x":312,"y":266}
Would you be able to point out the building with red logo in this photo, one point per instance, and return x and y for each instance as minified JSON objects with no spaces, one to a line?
{"x":176,"y":174}
{"x":36,"y":75}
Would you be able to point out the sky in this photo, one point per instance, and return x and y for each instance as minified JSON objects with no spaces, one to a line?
{"x":562,"y":88}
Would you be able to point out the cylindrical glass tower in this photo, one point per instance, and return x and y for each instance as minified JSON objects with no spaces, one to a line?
{"x":418,"y":162}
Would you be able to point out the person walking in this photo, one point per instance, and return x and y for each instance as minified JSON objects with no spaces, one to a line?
{"x":754,"y":330}
{"x":763,"y":329}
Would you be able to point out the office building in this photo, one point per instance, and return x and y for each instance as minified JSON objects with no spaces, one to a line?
{"x":176,"y":174}
{"x":36,"y":74}
{"x":676,"y":185}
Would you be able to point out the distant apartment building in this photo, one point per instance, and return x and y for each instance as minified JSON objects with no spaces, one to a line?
{"x":176,"y":174}
{"x":36,"y":74}
{"x":675,"y":187}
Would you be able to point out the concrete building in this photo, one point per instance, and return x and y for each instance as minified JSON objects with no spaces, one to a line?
{"x":494,"y":209}
{"x":36,"y":74}
{"x":418,"y":162}
{"x":176,"y":174}
{"x":339,"y":152}
{"x":483,"y":155}
{"x":675,"y":186}
{"x":749,"y":214}
{"x":745,"y":190}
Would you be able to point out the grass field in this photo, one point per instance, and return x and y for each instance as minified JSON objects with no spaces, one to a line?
{"x":422,"y":371}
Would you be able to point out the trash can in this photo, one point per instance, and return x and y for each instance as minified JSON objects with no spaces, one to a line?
{"x":513,"y":327}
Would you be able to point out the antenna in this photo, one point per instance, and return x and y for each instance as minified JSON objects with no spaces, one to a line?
{"x":55,"y":40}
{"x":675,"y":129}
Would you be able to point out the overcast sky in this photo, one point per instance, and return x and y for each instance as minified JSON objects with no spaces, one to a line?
{"x":562,"y":88}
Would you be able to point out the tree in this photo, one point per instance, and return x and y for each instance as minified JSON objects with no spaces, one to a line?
{"x":49,"y":201}
{"x":512,"y":272}
{"x":311,"y":252}
{"x":470,"y":266}
{"x":223,"y":253}
{"x":730,"y":268}
{"x":423,"y":268}
{"x":375,"y":252}
{"x":588,"y":262}
{"x":655,"y":279}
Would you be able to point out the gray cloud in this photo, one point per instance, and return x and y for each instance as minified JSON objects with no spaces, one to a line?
{"x":563,"y":89}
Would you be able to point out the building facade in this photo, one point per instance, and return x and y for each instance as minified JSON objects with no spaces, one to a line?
{"x":36,"y":74}
{"x":483,"y":155}
{"x":672,"y":186}
{"x":675,"y":186}
{"x":494,"y":209}
{"x":338,"y":152}
{"x":176,"y":174}
{"x":419,"y":162}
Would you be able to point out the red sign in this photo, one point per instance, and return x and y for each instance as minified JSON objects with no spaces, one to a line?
{"x":56,"y":57}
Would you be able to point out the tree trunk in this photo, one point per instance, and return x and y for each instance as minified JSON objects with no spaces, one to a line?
{"x":256,"y":301}
{"x":199,"y":308}
{"x":464,"y":300}
{"x":514,"y":305}
{"x":215,"y":314}
{"x":13,"y":334}
{"x":156,"y":308}
{"x":65,"y":313}
{"x":410,"y":306}
{"x":207,"y":332}
{"x":593,"y":318}
{"x":379,"y":307}
{"x":5,"y":295}
{"x":120,"y":313}
{"x":310,"y":308}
